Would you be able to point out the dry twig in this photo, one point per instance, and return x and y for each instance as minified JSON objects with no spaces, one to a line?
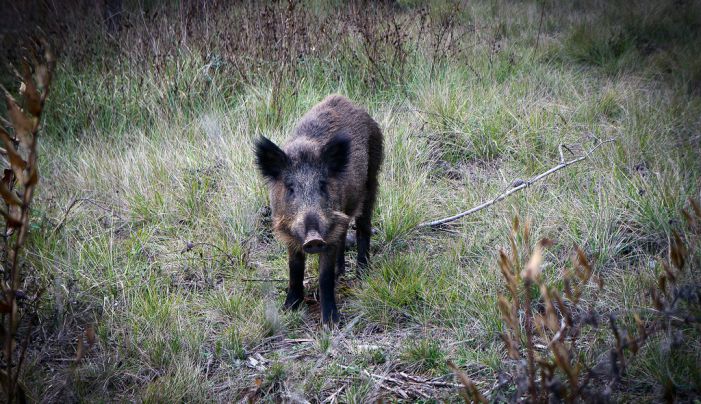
{"x":405,"y":385}
{"x":517,"y":188}
{"x":263,"y":280}
{"x":79,"y":201}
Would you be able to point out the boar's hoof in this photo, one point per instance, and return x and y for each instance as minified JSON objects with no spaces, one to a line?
{"x":293,"y":300}
{"x":329,"y":314}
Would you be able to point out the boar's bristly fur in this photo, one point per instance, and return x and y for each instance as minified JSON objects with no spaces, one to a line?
{"x":324,"y":176}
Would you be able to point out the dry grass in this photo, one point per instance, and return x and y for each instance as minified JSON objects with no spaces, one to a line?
{"x":150,"y":223}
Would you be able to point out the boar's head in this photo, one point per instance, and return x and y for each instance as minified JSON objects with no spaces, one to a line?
{"x":306,"y":190}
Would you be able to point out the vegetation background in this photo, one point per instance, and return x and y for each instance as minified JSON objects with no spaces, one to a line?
{"x":150,"y":225}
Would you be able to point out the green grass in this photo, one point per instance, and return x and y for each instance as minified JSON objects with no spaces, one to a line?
{"x":424,"y":356}
{"x":160,"y":148}
{"x":396,"y":291}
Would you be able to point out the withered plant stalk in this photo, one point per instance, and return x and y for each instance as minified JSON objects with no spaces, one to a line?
{"x":17,"y":187}
{"x":559,"y":324}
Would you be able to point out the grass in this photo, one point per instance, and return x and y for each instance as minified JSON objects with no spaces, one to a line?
{"x":156,"y":138}
{"x":424,"y":356}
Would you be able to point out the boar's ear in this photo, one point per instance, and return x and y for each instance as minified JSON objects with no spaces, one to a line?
{"x":336,"y":154}
{"x":271,"y":161}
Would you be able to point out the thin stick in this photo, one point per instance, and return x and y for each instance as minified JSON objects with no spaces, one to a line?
{"x":73,"y":203}
{"x":412,"y":383}
{"x":332,"y":397}
{"x":190,"y":245}
{"x":514,"y":189}
{"x":540,"y":25}
{"x":431,"y":382}
{"x":79,"y":201}
{"x":262,"y":280}
{"x":562,"y":154}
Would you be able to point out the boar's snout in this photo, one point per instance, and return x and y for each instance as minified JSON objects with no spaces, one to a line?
{"x":313,"y":243}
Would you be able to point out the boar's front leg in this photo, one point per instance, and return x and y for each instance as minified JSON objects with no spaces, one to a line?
{"x":295,"y":291}
{"x":327,"y":285}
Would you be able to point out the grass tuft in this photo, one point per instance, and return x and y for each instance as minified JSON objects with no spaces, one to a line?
{"x":425,"y":356}
{"x":396,"y":291}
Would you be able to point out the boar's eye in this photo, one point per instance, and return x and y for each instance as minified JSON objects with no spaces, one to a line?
{"x":323,"y":187}
{"x":290,"y":190}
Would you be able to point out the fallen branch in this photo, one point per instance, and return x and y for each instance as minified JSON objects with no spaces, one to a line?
{"x":521,"y":185}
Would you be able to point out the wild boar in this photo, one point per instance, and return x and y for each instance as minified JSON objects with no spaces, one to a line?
{"x":324,"y":176}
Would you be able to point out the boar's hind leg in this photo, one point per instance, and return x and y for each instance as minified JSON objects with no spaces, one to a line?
{"x":327,"y":285}
{"x":341,"y":256}
{"x":364,"y":226}
{"x":295,"y":291}
{"x":363,"y":222}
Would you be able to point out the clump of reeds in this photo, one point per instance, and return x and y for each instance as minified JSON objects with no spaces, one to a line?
{"x":544,"y":324}
{"x":19,"y":181}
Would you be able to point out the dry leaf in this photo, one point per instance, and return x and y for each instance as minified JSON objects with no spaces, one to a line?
{"x":22,"y":124}
{"x":30,"y":93}
{"x":9,"y":196}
